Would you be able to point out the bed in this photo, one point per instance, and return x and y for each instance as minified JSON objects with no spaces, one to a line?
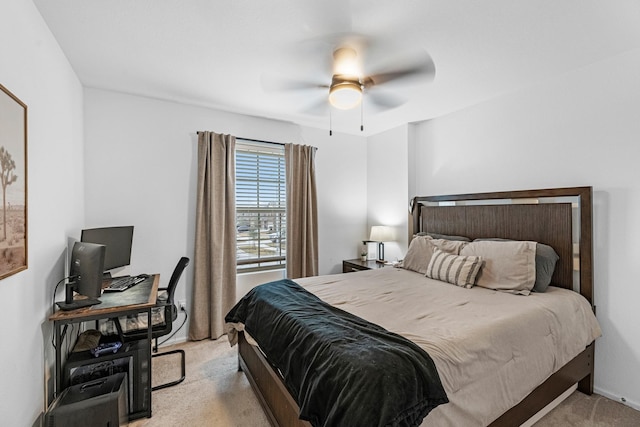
{"x":560,"y":218}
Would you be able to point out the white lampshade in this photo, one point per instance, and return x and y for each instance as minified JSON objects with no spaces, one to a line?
{"x":345,"y":95}
{"x":381,"y":233}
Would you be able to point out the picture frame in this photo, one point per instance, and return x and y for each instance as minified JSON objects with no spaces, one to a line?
{"x":13,"y":184}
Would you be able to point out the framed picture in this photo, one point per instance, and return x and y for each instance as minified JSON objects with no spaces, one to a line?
{"x":13,"y":184}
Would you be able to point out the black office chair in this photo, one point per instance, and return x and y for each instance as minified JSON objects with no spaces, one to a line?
{"x":164,"y":302}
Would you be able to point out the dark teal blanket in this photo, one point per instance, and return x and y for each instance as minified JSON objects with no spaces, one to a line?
{"x":340,"y":369}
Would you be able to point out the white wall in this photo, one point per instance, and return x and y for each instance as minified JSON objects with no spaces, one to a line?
{"x":387,"y":183}
{"x":34,"y":69}
{"x":582,"y":128}
{"x":141,"y":170}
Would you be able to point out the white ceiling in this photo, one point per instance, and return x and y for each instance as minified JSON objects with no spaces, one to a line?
{"x":216,"y":53}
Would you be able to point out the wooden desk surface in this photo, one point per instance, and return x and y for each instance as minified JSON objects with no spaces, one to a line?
{"x":143,"y":295}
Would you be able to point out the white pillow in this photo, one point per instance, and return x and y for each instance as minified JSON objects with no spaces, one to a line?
{"x":421,"y":250}
{"x":509,"y":266}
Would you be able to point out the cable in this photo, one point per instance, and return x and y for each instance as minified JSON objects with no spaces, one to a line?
{"x":53,"y":299}
{"x":55,"y":290}
{"x":53,"y":302}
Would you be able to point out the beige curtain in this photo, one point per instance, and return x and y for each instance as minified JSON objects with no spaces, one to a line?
{"x":214,"y":287}
{"x":302,"y":216}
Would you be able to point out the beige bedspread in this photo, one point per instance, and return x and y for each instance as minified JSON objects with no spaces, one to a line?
{"x":491,"y":349}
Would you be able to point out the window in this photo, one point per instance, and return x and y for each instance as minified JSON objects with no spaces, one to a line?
{"x":260,"y":206}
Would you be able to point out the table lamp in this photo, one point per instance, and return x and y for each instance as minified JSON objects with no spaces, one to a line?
{"x":380,"y":234}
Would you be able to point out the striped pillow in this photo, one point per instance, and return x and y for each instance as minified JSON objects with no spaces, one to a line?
{"x":455,"y":269}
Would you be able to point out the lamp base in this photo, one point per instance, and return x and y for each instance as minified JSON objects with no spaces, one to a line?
{"x":380,"y":252}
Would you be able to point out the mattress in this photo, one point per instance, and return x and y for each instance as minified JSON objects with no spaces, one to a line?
{"x":491,"y":349}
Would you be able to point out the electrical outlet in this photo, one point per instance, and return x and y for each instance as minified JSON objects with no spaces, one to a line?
{"x":182,"y":305}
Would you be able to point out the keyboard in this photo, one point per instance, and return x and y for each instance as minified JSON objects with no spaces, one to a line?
{"x":123,"y":283}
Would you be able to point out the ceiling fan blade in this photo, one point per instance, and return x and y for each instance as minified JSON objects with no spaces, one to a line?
{"x":318,"y":108}
{"x":423,"y":69}
{"x":383,"y":100}
{"x":272,"y":83}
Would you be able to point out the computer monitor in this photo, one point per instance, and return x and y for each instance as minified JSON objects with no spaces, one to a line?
{"x":117,"y":240}
{"x":87,"y":265}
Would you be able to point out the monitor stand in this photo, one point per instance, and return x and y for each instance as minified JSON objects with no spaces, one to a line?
{"x":80,"y":303}
{"x":73,"y":304}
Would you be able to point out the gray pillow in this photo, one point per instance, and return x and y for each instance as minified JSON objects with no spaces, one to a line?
{"x":444,"y":236}
{"x":546,"y":259}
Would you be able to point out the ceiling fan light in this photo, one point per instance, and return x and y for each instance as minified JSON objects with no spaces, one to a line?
{"x":345,"y":95}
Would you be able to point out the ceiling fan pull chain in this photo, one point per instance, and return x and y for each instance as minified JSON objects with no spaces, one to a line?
{"x":330,"y":124}
{"x":361,"y":113}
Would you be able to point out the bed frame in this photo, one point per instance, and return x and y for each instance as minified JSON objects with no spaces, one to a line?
{"x":559,"y":217}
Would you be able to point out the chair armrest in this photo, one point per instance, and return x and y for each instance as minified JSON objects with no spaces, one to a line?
{"x":163,"y":297}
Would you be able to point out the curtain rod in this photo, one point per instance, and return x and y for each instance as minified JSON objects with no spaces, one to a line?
{"x":258,"y":140}
{"x":253,"y":140}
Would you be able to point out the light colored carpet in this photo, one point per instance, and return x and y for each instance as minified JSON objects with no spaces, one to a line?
{"x":215,"y":393}
{"x":580,"y":410}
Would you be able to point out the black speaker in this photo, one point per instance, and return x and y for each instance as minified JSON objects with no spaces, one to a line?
{"x":97,"y":403}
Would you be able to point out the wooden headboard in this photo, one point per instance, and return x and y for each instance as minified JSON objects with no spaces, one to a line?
{"x":558,"y":217}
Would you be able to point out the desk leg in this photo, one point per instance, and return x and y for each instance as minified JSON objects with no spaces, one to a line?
{"x":148,"y":354}
{"x":58,"y":373}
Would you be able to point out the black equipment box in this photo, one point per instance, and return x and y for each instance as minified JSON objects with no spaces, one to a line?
{"x":98,"y":403}
{"x":88,"y":371}
{"x":130,"y":358}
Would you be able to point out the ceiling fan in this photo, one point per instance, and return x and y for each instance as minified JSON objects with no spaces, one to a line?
{"x":348,"y":82}
{"x":345,"y":84}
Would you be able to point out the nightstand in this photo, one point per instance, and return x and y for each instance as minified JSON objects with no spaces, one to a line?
{"x":350,"y":265}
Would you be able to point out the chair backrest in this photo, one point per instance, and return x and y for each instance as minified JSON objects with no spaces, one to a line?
{"x":175,"y":277}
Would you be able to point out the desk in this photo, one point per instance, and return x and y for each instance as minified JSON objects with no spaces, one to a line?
{"x":138,"y":299}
